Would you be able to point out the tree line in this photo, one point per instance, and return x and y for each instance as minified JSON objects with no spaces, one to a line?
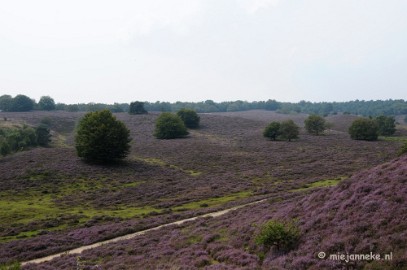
{"x":357,"y":107}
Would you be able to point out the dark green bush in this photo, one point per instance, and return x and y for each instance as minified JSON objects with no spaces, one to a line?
{"x":289,"y":130}
{"x":364,"y":129}
{"x":169,"y":126}
{"x":43,"y":135}
{"x":283,"y":235}
{"x":315,"y":124}
{"x":272,"y":131}
{"x":137,"y":107}
{"x":386,"y":125}
{"x":46,"y":103}
{"x":102,"y":138}
{"x":189,"y":117}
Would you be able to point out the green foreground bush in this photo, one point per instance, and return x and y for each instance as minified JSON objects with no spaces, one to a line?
{"x":283,"y":235}
{"x":14,"y":139}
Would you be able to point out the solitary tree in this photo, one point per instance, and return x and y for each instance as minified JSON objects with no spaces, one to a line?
{"x":169,"y":126}
{"x":189,"y":117}
{"x":364,"y":129}
{"x":315,"y":124}
{"x":102,"y":138}
{"x":46,"y":103}
{"x":386,"y":125}
{"x":137,"y":107}
{"x":272,"y":131}
{"x":289,"y":130}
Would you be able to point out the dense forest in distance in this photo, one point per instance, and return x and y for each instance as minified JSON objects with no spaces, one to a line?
{"x":357,"y":107}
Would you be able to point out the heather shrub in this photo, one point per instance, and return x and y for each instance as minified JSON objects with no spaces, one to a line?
{"x":102,"y":138}
{"x":189,"y":117}
{"x":364,"y":129}
{"x":169,"y":126}
{"x":283,"y":235}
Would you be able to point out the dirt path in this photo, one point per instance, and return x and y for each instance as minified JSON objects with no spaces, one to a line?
{"x":132,"y":235}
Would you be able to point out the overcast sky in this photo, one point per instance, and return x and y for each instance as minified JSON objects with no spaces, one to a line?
{"x":193,"y":50}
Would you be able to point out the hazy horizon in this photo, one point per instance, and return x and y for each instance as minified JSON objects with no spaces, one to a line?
{"x":195,"y":50}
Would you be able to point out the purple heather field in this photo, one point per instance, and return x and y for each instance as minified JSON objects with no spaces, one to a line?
{"x":345,"y":196}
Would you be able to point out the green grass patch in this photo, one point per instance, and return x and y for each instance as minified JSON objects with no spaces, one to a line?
{"x":212,"y":201}
{"x":162,"y":163}
{"x":319,"y":184}
{"x":393,"y":138}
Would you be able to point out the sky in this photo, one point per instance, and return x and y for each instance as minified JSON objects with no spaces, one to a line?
{"x":82,"y":51}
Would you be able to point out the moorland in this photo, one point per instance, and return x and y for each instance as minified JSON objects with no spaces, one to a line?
{"x":51,"y":201}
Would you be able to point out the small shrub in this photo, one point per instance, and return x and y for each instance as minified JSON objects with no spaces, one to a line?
{"x":10,"y":266}
{"x":43,"y":135}
{"x":272,"y":131}
{"x":189,"y":117}
{"x":169,"y":126}
{"x":289,"y":130}
{"x":386,"y":125}
{"x":315,"y":124}
{"x":284,"y":236}
{"x":364,"y":129}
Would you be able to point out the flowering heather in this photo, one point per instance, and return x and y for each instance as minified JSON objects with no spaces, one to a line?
{"x":363,"y":214}
{"x":53,"y":201}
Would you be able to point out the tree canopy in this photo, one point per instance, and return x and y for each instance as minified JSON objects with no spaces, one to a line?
{"x":272,"y":131}
{"x":137,"y":107}
{"x":102,"y":138}
{"x":46,"y":103}
{"x":289,"y":130}
{"x":315,"y":124}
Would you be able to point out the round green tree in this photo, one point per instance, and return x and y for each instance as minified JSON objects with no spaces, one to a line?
{"x":46,"y":103}
{"x":364,"y":129}
{"x":189,"y":117}
{"x":315,"y":124}
{"x":22,"y":103}
{"x":289,"y":130}
{"x":272,"y":131}
{"x":169,"y":126}
{"x":102,"y":138}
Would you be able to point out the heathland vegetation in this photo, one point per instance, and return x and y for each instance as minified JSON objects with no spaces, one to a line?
{"x":325,"y":193}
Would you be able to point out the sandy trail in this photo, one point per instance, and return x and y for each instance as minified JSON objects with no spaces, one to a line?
{"x":132,"y":235}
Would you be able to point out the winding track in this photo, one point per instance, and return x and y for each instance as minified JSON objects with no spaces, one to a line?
{"x":132,"y":235}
